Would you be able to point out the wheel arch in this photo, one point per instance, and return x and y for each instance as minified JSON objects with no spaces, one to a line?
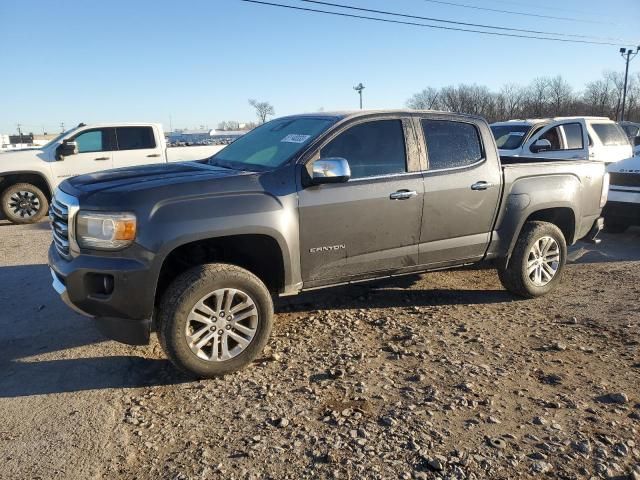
{"x":36,"y":179}
{"x":261,"y":254}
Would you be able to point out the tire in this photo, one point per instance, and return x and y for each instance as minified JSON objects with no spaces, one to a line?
{"x":615,"y":225}
{"x":190,"y":302}
{"x":24,"y":203}
{"x":516,"y":277}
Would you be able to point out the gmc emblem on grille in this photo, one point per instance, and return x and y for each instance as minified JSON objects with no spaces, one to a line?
{"x":330,"y":248}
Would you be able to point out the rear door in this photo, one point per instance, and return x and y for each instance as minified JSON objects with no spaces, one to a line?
{"x":137,"y":145}
{"x":372,"y":222}
{"x":609,"y":143}
{"x":95,"y":153}
{"x":568,"y":139}
{"x":462,"y":190}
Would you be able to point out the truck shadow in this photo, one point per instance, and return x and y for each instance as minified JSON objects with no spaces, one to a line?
{"x":388,"y":293}
{"x":45,"y":348}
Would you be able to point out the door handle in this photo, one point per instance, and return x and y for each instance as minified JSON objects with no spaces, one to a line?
{"x":100,"y":159}
{"x":403,"y":195}
{"x":481,"y":185}
{"x":153,"y":155}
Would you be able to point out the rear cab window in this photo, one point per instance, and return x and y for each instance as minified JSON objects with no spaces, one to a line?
{"x":610,"y":134}
{"x":451,"y":144}
{"x":135,"y":138}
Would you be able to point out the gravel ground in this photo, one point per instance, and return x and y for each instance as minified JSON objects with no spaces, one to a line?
{"x":436,"y":376}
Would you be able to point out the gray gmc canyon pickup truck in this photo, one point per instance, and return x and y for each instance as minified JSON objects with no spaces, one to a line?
{"x":196,"y":250}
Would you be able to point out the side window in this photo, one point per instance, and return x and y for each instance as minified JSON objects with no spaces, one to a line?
{"x":451,"y":144}
{"x":101,"y":140}
{"x":553,"y":135}
{"x":372,"y":148}
{"x":135,"y":138}
{"x":573,"y":134}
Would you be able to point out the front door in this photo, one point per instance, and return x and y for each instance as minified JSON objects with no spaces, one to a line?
{"x":462,"y":191}
{"x":95,"y":153}
{"x":568,"y":141}
{"x":370,"y":223}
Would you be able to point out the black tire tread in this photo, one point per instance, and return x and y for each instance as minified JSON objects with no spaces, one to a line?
{"x":512,"y":277}
{"x":185,"y":285}
{"x":44,"y":202}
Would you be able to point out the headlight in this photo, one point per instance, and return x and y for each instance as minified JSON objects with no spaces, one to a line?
{"x":108,"y":231}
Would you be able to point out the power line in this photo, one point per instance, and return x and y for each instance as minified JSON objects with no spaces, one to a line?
{"x":424,"y":25}
{"x":433,"y":19}
{"x":512,"y":12}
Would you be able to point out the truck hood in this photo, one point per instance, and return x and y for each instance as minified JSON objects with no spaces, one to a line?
{"x":630,"y":165}
{"x":145,"y":177}
{"x":13,"y":158}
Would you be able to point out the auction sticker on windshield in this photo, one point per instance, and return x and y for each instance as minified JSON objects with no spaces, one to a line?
{"x":295,"y":138}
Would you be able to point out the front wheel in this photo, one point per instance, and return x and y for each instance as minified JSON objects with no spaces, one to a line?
{"x":215,"y":319}
{"x":537,"y":262}
{"x":24,"y":203}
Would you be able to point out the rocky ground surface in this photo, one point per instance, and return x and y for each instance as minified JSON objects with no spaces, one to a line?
{"x":436,"y":376}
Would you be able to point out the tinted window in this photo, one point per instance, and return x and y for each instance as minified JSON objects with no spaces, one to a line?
{"x":631,"y":130}
{"x":610,"y":134}
{"x":451,"y":144}
{"x":573,"y":134}
{"x":95,"y":141}
{"x":372,"y":148}
{"x":135,"y":138}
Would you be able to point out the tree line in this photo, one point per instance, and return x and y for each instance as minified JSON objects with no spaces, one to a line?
{"x":543,"y":97}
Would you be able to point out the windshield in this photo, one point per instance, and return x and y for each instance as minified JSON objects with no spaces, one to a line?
{"x":509,"y":137}
{"x":51,"y":142}
{"x":272,"y":144}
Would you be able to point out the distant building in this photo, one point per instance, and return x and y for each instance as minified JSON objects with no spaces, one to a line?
{"x":203,"y":137}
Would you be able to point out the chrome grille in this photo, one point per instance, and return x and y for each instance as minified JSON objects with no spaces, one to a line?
{"x":59,"y":217}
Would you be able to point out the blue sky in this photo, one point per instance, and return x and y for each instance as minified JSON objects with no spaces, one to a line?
{"x":200,"y":60}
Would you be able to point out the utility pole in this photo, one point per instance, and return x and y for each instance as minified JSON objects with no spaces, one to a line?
{"x":359,"y":88}
{"x":20,"y":131}
{"x":628,"y":55}
{"x":61,"y":127}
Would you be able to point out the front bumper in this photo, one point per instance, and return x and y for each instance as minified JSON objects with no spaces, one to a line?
{"x":124,"y":313}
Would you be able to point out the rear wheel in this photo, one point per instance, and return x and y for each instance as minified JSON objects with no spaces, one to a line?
{"x":537,"y":262}
{"x":24,"y":203}
{"x":215,"y":319}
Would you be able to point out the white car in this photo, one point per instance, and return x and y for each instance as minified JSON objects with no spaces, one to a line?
{"x":588,"y":138}
{"x":29,"y":177}
{"x":623,"y":205}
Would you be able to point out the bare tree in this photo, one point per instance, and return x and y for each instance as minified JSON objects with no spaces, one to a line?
{"x":427,"y":99}
{"x":560,"y":96}
{"x":229,"y":125}
{"x":263,"y":109}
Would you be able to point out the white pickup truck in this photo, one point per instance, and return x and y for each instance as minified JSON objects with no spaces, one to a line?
{"x":29,"y":177}
{"x":571,"y":138}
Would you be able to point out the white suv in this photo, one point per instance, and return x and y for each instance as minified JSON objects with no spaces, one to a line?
{"x":588,"y":138}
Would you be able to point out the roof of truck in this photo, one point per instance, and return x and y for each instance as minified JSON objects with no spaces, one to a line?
{"x":536,"y":121}
{"x":342,"y":114}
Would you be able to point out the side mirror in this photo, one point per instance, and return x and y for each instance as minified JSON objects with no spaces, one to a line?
{"x":65,"y":149}
{"x":330,"y":170}
{"x":542,"y":145}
